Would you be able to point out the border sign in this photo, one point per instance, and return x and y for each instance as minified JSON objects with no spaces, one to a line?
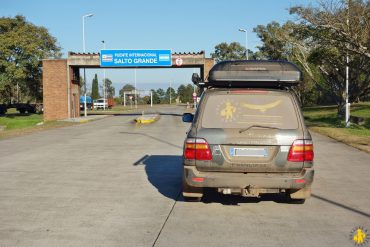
{"x":135,"y":58}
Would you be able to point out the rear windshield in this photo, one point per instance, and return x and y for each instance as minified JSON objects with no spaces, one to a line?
{"x":244,"y":110}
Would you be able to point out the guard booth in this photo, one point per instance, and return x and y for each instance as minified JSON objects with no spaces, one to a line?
{"x":61,"y":79}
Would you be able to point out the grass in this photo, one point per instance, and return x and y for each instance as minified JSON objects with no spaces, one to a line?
{"x":14,"y":120}
{"x":15,"y":124}
{"x":324,"y":120}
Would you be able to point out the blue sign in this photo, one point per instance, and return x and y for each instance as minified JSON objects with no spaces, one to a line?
{"x":135,"y":58}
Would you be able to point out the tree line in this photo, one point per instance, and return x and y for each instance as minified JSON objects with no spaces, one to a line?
{"x":319,"y":42}
{"x":183,"y":94}
{"x":97,"y":91}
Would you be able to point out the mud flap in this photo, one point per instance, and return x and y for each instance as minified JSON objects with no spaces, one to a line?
{"x":190,"y":191}
{"x":300,"y":194}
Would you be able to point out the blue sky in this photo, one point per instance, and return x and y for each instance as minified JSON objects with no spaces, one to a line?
{"x":182,"y":26}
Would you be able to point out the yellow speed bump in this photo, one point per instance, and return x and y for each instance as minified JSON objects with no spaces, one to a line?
{"x":147,"y":119}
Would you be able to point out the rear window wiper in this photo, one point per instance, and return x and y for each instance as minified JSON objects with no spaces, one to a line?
{"x":258,"y":126}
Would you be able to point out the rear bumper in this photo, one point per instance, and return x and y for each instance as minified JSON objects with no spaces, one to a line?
{"x":196,"y":178}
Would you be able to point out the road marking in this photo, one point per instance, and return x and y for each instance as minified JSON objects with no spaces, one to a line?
{"x":168,"y":216}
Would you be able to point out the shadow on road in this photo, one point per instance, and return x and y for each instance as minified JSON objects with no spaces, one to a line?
{"x":341,"y":205}
{"x":164,"y":173}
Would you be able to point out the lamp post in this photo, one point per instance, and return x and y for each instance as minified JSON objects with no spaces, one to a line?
{"x":135,"y":88}
{"x":347,"y":116}
{"x":170,"y":93}
{"x":104,"y":89}
{"x":83,"y":46}
{"x":246,"y":41}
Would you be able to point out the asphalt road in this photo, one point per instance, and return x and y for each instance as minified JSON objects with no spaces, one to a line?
{"x":114,"y":183}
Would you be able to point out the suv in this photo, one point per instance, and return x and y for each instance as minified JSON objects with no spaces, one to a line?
{"x":248,"y":135}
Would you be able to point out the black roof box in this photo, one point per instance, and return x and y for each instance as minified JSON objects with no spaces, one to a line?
{"x":254,"y":73}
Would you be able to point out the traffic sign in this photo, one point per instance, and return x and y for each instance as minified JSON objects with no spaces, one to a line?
{"x":179,"y":61}
{"x":135,"y":58}
{"x":194,"y":94}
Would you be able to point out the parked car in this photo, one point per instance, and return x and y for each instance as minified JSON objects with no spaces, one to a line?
{"x":248,"y":135}
{"x":3,"y":109}
{"x":25,"y":107}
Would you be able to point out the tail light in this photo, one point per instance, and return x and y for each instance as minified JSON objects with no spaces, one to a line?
{"x":197,"y":149}
{"x":301,"y":150}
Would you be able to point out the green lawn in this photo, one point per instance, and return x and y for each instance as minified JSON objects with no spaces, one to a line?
{"x":15,"y":124}
{"x":323,"y":119}
{"x":326,"y":116}
{"x":14,"y":120}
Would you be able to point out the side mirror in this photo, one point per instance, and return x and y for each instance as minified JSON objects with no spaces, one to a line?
{"x":187,"y":117}
{"x":196,"y":79}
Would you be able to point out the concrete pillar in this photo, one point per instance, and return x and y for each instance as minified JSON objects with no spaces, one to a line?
{"x":55,"y":89}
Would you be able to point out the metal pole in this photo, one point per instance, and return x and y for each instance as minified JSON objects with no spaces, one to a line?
{"x":104,"y":82}
{"x":17,"y":92}
{"x":246,"y":44}
{"x":124,"y":98}
{"x":170,"y":93}
{"x":135,"y":90}
{"x":83,"y":46}
{"x":347,"y":74}
{"x":246,"y":41}
{"x":151,"y":99}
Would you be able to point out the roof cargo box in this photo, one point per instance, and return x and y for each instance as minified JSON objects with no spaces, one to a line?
{"x":254,"y":73}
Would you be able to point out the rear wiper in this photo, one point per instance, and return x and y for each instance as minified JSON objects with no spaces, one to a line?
{"x":258,"y":126}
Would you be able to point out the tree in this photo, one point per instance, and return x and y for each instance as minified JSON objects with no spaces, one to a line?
{"x":319,"y":43}
{"x":82,"y":86}
{"x":161,"y":95}
{"x":110,"y":90}
{"x":23,"y":46}
{"x":331,"y":40}
{"x":173,"y":95}
{"x":232,"y":51}
{"x":329,"y":20}
{"x":281,"y":42}
{"x":95,"y":88}
{"x":185,"y":93}
{"x":126,"y":88}
{"x":156,"y":99}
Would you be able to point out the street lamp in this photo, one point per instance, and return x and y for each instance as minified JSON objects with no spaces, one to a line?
{"x":246,"y":41}
{"x":83,"y":46}
{"x":104,"y":95}
{"x":347,"y":116}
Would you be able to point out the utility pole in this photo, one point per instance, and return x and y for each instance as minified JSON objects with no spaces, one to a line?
{"x":246,"y":41}
{"x":83,"y":46}
{"x":135,"y":90}
{"x":104,"y":95}
{"x":347,"y":74}
{"x":170,"y":92}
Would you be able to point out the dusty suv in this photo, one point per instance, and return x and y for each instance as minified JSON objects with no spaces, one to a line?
{"x":248,"y":135}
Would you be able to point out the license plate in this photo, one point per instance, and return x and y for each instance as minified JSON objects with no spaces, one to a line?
{"x":249,"y":152}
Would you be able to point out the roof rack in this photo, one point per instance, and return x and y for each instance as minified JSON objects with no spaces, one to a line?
{"x":252,"y":73}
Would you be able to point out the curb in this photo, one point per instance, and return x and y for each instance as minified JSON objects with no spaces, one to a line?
{"x":84,"y":119}
{"x":147,"y":119}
